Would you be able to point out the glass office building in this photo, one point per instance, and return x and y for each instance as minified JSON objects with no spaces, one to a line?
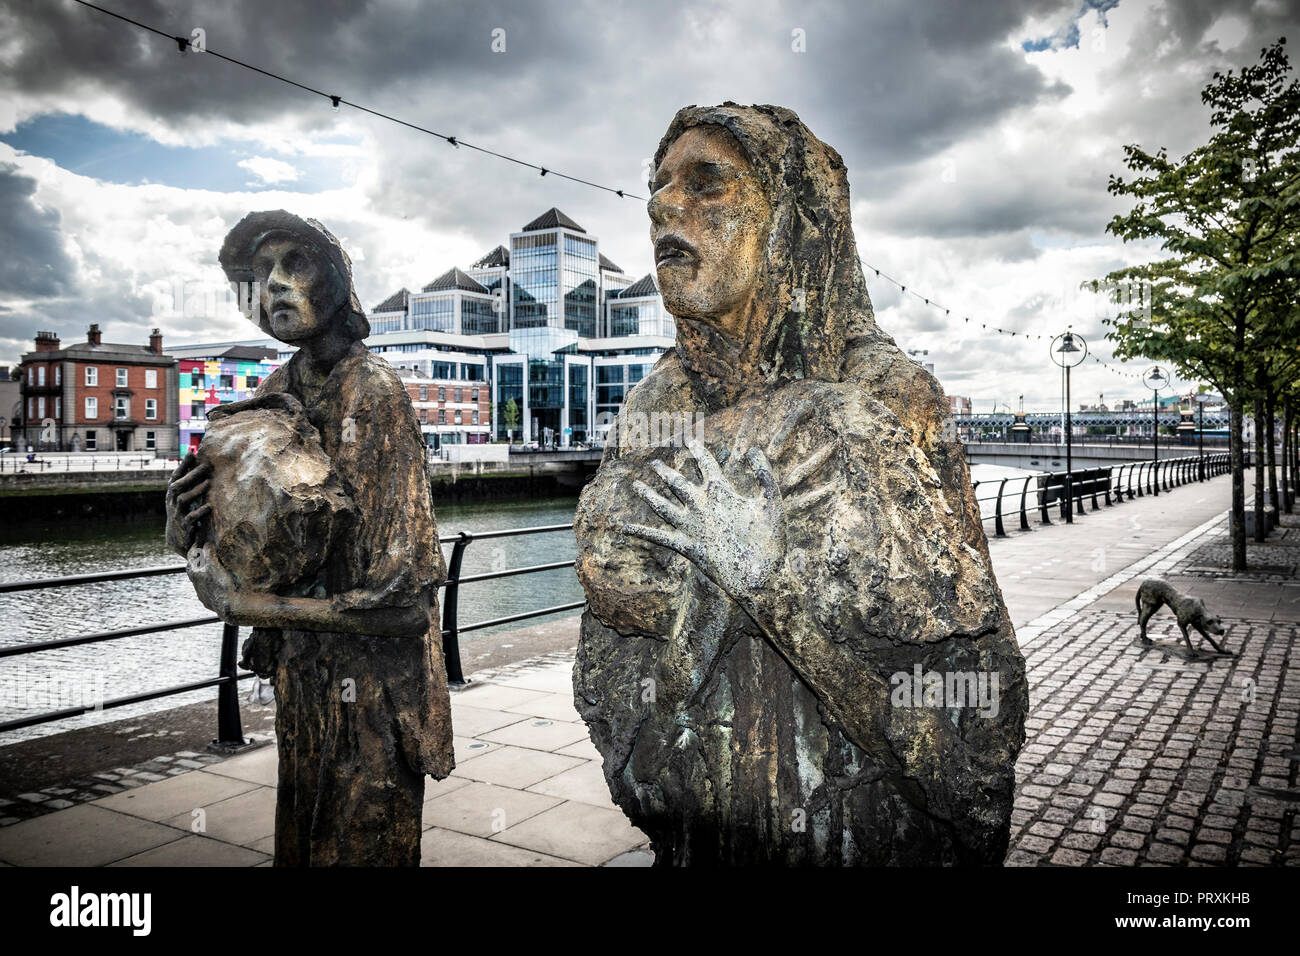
{"x":549,"y":322}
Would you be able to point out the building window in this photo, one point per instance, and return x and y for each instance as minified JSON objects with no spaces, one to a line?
{"x":58,"y":375}
{"x":92,"y":441}
{"x":121,"y":378}
{"x":151,"y":378}
{"x":40,"y":375}
{"x":442,"y":416}
{"x":227,"y":381}
{"x":151,"y":409}
{"x":252,"y":381}
{"x":120,"y":407}
{"x":424,"y":393}
{"x":459,"y":395}
{"x":458,"y":421}
{"x":424,"y":415}
{"x":92,"y":407}
{"x":150,"y":440}
{"x":92,"y":375}
{"x":474,"y":419}
{"x":40,"y":407}
{"x":197,"y":411}
{"x":442,"y":394}
{"x":58,"y":407}
{"x":31,"y":371}
{"x":474,"y":394}
{"x":196,"y":380}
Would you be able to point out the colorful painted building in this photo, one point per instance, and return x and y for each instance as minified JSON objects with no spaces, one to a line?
{"x":210,"y":380}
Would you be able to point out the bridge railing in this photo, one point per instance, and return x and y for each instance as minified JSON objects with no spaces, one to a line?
{"x":1114,"y":484}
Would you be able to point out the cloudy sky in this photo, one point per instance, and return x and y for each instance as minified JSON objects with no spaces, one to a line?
{"x":978,"y":138}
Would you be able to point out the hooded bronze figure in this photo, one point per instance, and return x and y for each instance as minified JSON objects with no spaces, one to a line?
{"x":795,"y":651}
{"x":344,"y":613}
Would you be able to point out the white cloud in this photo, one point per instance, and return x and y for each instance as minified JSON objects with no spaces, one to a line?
{"x":269,"y":170}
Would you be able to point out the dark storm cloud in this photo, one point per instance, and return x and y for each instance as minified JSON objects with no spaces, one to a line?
{"x":583,"y":86}
{"x":34,"y":262}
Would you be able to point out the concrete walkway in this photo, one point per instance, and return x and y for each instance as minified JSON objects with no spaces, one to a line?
{"x":1121,"y":738}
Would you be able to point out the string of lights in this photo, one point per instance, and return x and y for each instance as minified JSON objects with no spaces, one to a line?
{"x":185,"y":44}
{"x":985,"y":326}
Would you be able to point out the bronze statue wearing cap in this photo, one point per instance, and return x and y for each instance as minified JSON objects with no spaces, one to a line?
{"x":306,"y":514}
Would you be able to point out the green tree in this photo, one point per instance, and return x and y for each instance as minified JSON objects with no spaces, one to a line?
{"x":511,"y":417}
{"x":1226,"y":215}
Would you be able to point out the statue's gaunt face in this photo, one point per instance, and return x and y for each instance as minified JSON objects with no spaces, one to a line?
{"x":297,"y":288}
{"x":709,"y":220}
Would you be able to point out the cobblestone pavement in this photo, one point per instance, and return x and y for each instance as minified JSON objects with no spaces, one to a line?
{"x":1153,"y":756}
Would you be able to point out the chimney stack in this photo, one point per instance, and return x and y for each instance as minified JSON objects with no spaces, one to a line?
{"x":92,"y":335}
{"x":47,"y":342}
{"x":155,"y":341}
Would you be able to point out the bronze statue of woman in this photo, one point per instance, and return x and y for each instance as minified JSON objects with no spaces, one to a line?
{"x":792,"y":612}
{"x":355,"y":651}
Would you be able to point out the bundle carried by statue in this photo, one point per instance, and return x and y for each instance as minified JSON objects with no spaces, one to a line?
{"x":277,"y":504}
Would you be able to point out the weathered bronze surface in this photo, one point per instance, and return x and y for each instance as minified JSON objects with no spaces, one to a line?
{"x":795,"y":650}
{"x":306,"y":514}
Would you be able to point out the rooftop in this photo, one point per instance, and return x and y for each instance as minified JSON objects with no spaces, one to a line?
{"x":453,"y":278}
{"x":552,"y":219}
{"x":395,"y":302}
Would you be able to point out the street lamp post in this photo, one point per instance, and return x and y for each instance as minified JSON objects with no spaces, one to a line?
{"x":1072,"y":344}
{"x":1154,"y":379}
{"x":1200,"y":435}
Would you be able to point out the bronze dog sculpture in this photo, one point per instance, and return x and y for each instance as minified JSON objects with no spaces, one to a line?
{"x":1189,"y":610}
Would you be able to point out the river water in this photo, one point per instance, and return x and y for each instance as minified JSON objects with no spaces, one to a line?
{"x":73,"y":676}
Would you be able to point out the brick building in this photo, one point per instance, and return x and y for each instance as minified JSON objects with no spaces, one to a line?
{"x":99,"y":396}
{"x":450,"y":412}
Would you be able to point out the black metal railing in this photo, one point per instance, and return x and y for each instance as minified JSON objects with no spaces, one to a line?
{"x":1115,"y":484}
{"x":229,"y":730}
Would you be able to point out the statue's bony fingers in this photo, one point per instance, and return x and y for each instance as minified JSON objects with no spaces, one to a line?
{"x":674,"y":479}
{"x":811,"y":497}
{"x":191,"y":521}
{"x":708,"y":465}
{"x":668,"y":539}
{"x":808,"y":466}
{"x":198,"y":491}
{"x":671,"y":513}
{"x":192,"y":477}
{"x":763,"y":472}
{"x":777,"y":446}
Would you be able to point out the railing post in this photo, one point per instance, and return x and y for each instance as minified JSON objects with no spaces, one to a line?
{"x":230,"y":732}
{"x":997,"y":517}
{"x":451,"y":594}
{"x":1042,"y":499}
{"x":1141,"y":465}
{"x":1094,"y":481}
{"x":1024,"y":492}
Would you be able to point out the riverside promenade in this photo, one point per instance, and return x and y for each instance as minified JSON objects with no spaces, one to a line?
{"x":1135,"y":755}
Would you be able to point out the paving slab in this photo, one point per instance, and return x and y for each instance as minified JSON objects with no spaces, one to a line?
{"x":195,"y":850}
{"x":440,"y":847}
{"x":576,"y":831}
{"x":176,"y":795}
{"x":484,"y":809}
{"x":85,"y":835}
{"x":516,"y":767}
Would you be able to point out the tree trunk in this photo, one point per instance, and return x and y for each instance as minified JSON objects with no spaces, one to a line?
{"x":1237,"y":524}
{"x":1261,"y":532}
{"x":1270,"y":415}
{"x":1288,"y":466}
